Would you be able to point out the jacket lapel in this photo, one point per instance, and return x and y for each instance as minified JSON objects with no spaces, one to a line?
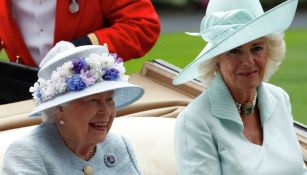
{"x":222,"y":103}
{"x":14,"y":35}
{"x":266,"y":102}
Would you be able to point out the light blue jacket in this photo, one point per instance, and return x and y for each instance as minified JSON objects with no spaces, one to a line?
{"x":43,"y":152}
{"x":209,"y":136}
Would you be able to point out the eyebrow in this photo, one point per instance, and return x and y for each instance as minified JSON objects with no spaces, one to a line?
{"x":109,"y":93}
{"x":258,"y":43}
{"x":254,"y":44}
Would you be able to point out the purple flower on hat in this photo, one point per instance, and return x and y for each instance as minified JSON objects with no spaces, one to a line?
{"x":114,"y":55}
{"x":78,"y":74}
{"x":111,"y":74}
{"x":75,"y":83}
{"x":79,"y":64}
{"x":87,"y":77}
{"x":119,"y":60}
{"x":116,"y":58}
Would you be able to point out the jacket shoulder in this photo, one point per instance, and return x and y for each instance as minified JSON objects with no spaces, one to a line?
{"x":276,"y":91}
{"x":116,"y":143}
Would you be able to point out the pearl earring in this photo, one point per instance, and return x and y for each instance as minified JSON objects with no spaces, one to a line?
{"x":62,"y":122}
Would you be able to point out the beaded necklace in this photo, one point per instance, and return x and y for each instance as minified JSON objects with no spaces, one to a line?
{"x":247,"y":108}
{"x":92,"y":152}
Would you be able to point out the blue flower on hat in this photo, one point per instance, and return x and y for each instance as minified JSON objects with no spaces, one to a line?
{"x":78,"y":74}
{"x":39,"y":94}
{"x":111,"y":74}
{"x":75,"y":83}
{"x":79,"y":64}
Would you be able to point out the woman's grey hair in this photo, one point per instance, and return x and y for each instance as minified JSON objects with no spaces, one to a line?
{"x":49,"y":115}
{"x":276,"y":49}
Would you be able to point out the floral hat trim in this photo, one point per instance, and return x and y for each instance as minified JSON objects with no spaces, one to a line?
{"x":78,"y":74}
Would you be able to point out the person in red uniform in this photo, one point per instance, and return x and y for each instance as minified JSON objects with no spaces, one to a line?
{"x":29,"y":29}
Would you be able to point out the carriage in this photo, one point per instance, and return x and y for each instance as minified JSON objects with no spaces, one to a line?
{"x":148,"y":123}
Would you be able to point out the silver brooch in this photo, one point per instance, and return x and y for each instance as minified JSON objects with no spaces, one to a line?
{"x":109,"y":160}
{"x":74,"y":6}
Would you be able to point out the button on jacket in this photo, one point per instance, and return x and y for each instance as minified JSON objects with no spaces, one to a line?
{"x":209,"y":137}
{"x":43,"y":151}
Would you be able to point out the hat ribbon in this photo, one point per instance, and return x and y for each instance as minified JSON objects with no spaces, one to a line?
{"x":219,"y":25}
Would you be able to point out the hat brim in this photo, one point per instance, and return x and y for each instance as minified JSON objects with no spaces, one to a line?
{"x":125,"y":94}
{"x":278,"y":19}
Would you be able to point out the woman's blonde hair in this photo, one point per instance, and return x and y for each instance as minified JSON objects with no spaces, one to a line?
{"x":276,"y":49}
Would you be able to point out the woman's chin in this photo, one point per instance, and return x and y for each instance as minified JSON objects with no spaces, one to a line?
{"x":248,"y":82}
{"x":98,"y":138}
{"x":249,"y":86}
{"x":99,"y":135}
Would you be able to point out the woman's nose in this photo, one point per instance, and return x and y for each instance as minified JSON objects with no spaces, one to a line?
{"x":104,"y":109}
{"x":248,"y":59}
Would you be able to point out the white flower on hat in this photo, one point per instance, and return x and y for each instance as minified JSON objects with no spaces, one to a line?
{"x":77,"y":74}
{"x":66,"y":69}
{"x":95,"y":63}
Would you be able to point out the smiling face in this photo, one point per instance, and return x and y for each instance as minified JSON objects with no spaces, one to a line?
{"x":87,"y":120}
{"x":243,"y":67}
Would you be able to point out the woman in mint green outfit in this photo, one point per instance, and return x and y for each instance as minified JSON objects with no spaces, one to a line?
{"x":239,"y":125}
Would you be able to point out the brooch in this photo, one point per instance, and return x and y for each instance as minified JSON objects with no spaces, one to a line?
{"x":109,"y":160}
{"x":74,"y":6}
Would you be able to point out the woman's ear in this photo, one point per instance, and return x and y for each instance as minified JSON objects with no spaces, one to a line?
{"x":59,"y":112}
{"x":218,"y":67}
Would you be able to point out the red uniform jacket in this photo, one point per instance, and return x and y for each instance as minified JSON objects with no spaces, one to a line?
{"x":129,"y":27}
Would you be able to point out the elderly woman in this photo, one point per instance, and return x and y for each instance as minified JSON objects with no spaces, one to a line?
{"x":240,"y":125}
{"x":78,"y":90}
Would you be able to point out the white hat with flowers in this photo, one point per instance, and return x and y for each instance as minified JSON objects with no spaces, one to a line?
{"x":68,"y":73}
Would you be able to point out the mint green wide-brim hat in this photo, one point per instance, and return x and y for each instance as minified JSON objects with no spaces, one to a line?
{"x":69,"y":73}
{"x":232,"y":23}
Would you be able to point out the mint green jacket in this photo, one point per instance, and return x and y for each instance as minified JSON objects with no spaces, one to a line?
{"x":209,"y":136}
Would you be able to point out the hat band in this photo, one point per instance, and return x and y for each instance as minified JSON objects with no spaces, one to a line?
{"x":217,"y":33}
{"x":219,"y":25}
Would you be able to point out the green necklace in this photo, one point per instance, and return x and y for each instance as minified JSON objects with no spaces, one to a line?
{"x":247,"y":108}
